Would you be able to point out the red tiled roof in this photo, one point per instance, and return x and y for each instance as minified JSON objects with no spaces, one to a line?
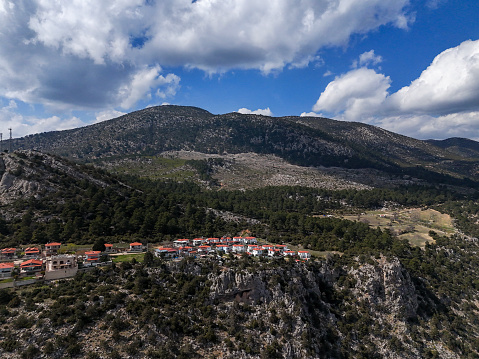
{"x":303,"y":251}
{"x":8,"y":250}
{"x":92,"y":253}
{"x":6,"y":265}
{"x":167,"y":249}
{"x":53,"y":244}
{"x":32,"y":263}
{"x":135,"y":244}
{"x":108,"y":245}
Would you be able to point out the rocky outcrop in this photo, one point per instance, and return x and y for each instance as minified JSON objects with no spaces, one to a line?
{"x":25,"y":174}
{"x":386,"y":283}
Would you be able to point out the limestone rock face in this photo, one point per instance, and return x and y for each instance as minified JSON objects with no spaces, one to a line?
{"x":25,"y":174}
{"x":386,"y":283}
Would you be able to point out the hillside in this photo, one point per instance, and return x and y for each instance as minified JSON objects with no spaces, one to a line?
{"x":306,"y":142}
{"x":460,"y":146}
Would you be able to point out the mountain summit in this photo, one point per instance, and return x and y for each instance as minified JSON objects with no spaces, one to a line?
{"x":302,"y":141}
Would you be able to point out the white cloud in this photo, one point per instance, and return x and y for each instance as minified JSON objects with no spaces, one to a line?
{"x":108,"y":115}
{"x":263,"y":112}
{"x":311,"y":114}
{"x":356,"y":93}
{"x":143,"y":82}
{"x":369,"y":58}
{"x":26,"y":125}
{"x":442,"y":102}
{"x":449,"y":85}
{"x":97,"y":55}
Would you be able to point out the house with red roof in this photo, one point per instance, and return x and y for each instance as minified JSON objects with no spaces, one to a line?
{"x":136,"y":247}
{"x":31,"y":266}
{"x":181,"y":243}
{"x":6,"y":270}
{"x":92,"y":257}
{"x":289,"y":253}
{"x":8,"y":253}
{"x":52,"y":249}
{"x":32,"y":252}
{"x":257,"y":251}
{"x":204,"y":249}
{"x":250,"y":240}
{"x":274,"y":252}
{"x":109,"y":248}
{"x":197,"y":241}
{"x":282,"y":247}
{"x":166,"y":252}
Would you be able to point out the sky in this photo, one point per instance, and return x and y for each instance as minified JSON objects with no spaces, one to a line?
{"x":408,"y":66}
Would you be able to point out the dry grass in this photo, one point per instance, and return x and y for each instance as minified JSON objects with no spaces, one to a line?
{"x":412,"y":224}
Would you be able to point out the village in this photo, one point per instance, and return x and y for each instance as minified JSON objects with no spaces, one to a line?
{"x":31,"y":264}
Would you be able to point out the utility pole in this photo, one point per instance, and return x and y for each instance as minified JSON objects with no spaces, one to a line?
{"x":10,"y":129}
{"x":1,"y":141}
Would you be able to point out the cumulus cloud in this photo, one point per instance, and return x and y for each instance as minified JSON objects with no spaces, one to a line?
{"x":143,"y":81}
{"x":108,"y":115}
{"x":84,"y":53}
{"x":358,"y":92}
{"x":25,"y":125}
{"x":263,"y":112}
{"x":443,"y":100}
{"x":311,"y":114}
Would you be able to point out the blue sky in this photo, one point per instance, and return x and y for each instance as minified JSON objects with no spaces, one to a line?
{"x":408,"y":66}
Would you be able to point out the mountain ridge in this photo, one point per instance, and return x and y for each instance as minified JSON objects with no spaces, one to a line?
{"x":304,"y":141}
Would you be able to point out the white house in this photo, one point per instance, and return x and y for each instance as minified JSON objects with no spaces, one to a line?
{"x":166,"y":252}
{"x":197,"y":242}
{"x":304,"y":255}
{"x":223,"y":247}
{"x":257,"y":251}
{"x":238,"y":248}
{"x":274,"y":252}
{"x":204,"y":249}
{"x":181,"y":243}
{"x":136,"y":247}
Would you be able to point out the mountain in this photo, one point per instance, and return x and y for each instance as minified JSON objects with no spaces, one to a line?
{"x":301,"y":141}
{"x":460,"y":146}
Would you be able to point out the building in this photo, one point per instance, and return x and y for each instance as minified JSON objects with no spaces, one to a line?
{"x":165,"y":252}
{"x":304,"y":255}
{"x":136,"y":247}
{"x":181,"y":243}
{"x":289,"y":253}
{"x":8,"y":253}
{"x":223,"y":248}
{"x":109,"y":248}
{"x":92,"y":257}
{"x":61,"y":266}
{"x":197,"y":242}
{"x":238,"y":248}
{"x":32,"y":252}
{"x":6,"y":270}
{"x":204,"y":249}
{"x":52,"y":249}
{"x":31,"y":266}
{"x":257,"y":251}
